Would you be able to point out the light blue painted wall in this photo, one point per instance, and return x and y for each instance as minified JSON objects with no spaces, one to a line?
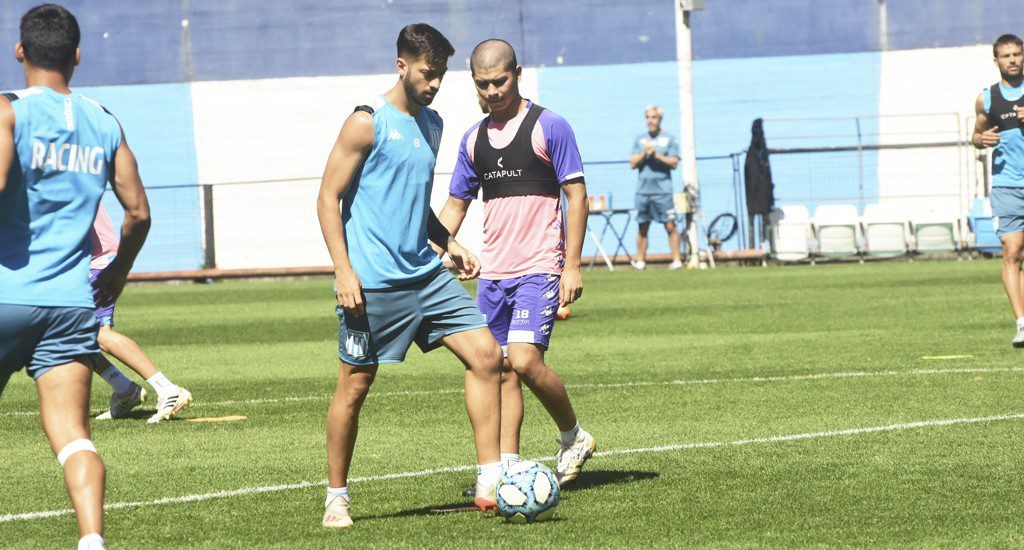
{"x":605,"y":105}
{"x":157,"y":121}
{"x":730,"y":93}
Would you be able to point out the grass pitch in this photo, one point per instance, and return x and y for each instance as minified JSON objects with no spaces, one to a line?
{"x":658,"y":362}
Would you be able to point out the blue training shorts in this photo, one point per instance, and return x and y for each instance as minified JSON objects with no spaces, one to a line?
{"x":655,"y":208}
{"x":1007,"y":209}
{"x":41,"y":338}
{"x":423,"y":312}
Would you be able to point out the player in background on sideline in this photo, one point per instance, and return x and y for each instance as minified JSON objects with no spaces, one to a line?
{"x":127,"y":395}
{"x":655,"y":154}
{"x":391,"y":287}
{"x":58,"y":149}
{"x":523,"y":156}
{"x":1000,"y":109}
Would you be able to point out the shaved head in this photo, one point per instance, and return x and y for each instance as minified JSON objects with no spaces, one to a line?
{"x":493,"y":54}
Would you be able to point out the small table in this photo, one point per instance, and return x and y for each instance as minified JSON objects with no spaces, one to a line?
{"x":608,"y":217}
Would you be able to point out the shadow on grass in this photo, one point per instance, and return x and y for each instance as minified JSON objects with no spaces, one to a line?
{"x":589,"y":480}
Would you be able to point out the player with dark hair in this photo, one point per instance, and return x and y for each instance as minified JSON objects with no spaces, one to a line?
{"x":391,"y":287}
{"x":1000,"y":109}
{"x":523,"y":157}
{"x":58,"y":149}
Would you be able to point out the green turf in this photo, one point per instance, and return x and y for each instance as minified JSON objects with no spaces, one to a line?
{"x":935,"y":486}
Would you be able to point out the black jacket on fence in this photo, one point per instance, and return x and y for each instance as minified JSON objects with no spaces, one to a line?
{"x":757,"y":174}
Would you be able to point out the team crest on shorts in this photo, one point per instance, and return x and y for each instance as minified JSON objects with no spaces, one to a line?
{"x":357,"y":344}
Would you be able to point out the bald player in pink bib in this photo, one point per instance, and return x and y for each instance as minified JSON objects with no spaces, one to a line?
{"x":523,"y":157}
{"x":127,"y":395}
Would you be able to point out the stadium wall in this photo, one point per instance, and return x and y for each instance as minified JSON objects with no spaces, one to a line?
{"x":240,"y":93}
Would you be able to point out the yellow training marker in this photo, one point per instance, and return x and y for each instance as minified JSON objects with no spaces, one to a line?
{"x":942,"y":357}
{"x":231,"y":418}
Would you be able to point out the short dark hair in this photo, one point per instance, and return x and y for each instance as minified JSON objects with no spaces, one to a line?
{"x":422,"y":40}
{"x":1005,"y":40}
{"x":50,"y":36}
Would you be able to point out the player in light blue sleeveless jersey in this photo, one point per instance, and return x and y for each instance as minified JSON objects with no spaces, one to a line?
{"x":391,"y":288}
{"x":58,"y":149}
{"x":1000,"y":111}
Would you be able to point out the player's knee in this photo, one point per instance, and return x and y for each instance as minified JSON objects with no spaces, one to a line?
{"x":77,"y":448}
{"x":642,"y":229}
{"x":526,"y":365}
{"x":487,"y":359}
{"x":670,"y":227}
{"x":356,"y":388}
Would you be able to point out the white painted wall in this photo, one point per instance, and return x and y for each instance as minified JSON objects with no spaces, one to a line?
{"x":266,"y":131}
{"x":936,"y":89}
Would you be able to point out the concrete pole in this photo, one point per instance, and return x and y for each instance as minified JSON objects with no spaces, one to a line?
{"x":687,"y":140}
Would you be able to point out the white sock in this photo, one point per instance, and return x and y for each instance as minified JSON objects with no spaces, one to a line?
{"x":335,"y":492}
{"x":92,"y":542}
{"x":570,"y":436}
{"x":508,"y":459}
{"x":488,"y":474}
{"x":117,"y":380}
{"x":161,"y":384}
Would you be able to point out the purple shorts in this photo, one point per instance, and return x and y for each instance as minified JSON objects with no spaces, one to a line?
{"x":520,"y":310}
{"x":104,"y":301}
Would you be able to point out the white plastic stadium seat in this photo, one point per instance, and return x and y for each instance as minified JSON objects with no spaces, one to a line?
{"x":791,"y":234}
{"x":886,"y":230}
{"x":838,"y":229}
{"x":936,"y":232}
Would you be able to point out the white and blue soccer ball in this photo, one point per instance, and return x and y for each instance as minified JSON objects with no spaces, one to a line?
{"x":527,"y":492}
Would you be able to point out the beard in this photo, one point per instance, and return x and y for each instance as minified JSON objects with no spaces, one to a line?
{"x":415,"y":95}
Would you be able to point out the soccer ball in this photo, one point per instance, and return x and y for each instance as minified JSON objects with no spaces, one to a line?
{"x":527,"y":492}
{"x":562,"y":313}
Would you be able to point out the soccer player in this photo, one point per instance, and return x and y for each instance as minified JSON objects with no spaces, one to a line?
{"x":127,"y":395}
{"x":58,"y":149}
{"x":523,"y":156}
{"x":655,"y":155}
{"x":391,"y":287}
{"x":1000,"y":109}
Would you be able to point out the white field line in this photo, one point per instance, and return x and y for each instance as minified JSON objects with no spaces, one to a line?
{"x":786,"y":378}
{"x":660,"y":449}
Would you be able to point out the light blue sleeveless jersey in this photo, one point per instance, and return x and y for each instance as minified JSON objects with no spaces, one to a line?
{"x":64,"y":146}
{"x":385,"y":209}
{"x":1008,"y":155}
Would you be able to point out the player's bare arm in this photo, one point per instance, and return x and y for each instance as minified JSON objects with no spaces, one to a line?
{"x":671,"y":162}
{"x":350,"y":150}
{"x":127,"y":186}
{"x":6,"y":140}
{"x":451,"y":217}
{"x":465,"y":262}
{"x":454,"y":213}
{"x":571,"y":285}
{"x":636,"y":160}
{"x":985,"y":134}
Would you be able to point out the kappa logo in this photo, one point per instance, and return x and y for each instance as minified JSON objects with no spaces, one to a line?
{"x":545,"y":329}
{"x":550,"y":310}
{"x":395,"y":135}
{"x":550,"y":294}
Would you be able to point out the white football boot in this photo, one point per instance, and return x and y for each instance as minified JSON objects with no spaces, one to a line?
{"x":572,"y":457}
{"x":336,"y":514}
{"x":121,"y":405}
{"x":172,"y":405}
